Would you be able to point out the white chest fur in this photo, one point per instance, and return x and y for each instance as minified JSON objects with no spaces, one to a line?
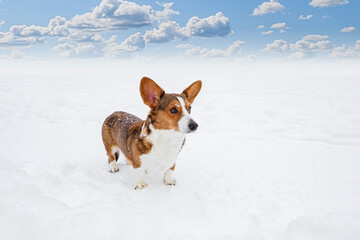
{"x":164,"y":152}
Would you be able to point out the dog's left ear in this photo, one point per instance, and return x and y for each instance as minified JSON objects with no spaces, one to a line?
{"x":150,"y":92}
{"x":192,"y":91}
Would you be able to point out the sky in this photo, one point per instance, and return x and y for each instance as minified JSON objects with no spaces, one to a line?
{"x":246,"y":30}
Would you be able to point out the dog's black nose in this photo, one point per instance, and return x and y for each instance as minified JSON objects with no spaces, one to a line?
{"x":193,"y":126}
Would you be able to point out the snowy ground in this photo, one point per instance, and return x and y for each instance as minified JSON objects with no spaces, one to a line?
{"x":276,"y":155}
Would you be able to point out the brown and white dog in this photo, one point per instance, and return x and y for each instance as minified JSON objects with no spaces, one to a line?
{"x":153,"y":144}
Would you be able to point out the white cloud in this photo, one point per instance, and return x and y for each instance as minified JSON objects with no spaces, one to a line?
{"x":327,"y":3}
{"x":282,"y":26}
{"x":82,"y":34}
{"x":308,"y":44}
{"x":2,"y":22}
{"x":80,"y":50}
{"x":313,"y":37}
{"x":109,"y":15}
{"x":133,"y":43}
{"x":10,"y":40}
{"x":297,"y":56}
{"x":233,"y":50}
{"x":17,"y":54}
{"x":348,"y":29}
{"x":277,"y":46}
{"x":246,"y":59}
{"x":167,"y":12}
{"x":342,"y":52}
{"x":313,"y":43}
{"x":260,"y":27}
{"x":28,"y":31}
{"x":167,"y":31}
{"x":268,"y":7}
{"x":302,"y":17}
{"x":267,"y":32}
{"x":357,"y":45}
{"x":278,"y":25}
{"x":212,"y":26}
{"x":113,"y":15}
{"x":57,"y":27}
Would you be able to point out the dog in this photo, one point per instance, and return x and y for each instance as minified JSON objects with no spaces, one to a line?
{"x":153,"y":144}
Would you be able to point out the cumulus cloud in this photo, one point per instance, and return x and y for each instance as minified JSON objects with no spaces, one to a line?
{"x":217,"y":25}
{"x":327,"y":3}
{"x":83,"y":33}
{"x":260,"y":27}
{"x":133,"y":43}
{"x":277,"y":46}
{"x":233,"y":50}
{"x":113,"y":15}
{"x":28,"y":31}
{"x":17,"y":54}
{"x":343,"y":52}
{"x":167,"y":12}
{"x":80,"y":50}
{"x":213,"y":26}
{"x":297,"y":56}
{"x":2,"y":22}
{"x":246,"y":59}
{"x":268,"y":7}
{"x":313,"y":37}
{"x":357,"y":45}
{"x":167,"y":31}
{"x":308,"y":44}
{"x":109,"y":15}
{"x":10,"y":40}
{"x":302,"y":17}
{"x":282,"y":26}
{"x":348,"y":29}
{"x":267,"y":32}
{"x":278,"y":25}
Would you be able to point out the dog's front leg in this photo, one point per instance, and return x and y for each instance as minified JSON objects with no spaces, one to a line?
{"x":168,"y":178}
{"x":140,"y":175}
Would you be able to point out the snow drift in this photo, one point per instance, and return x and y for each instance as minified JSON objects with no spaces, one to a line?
{"x":276,"y":155}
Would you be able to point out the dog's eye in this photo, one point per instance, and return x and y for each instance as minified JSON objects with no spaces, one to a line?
{"x":189,"y":109}
{"x":173,"y":110}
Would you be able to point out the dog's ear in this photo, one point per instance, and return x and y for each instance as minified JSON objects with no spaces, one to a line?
{"x":150,"y":92}
{"x":192,"y":91}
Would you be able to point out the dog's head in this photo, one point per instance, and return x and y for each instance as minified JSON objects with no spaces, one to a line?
{"x":170,"y":111}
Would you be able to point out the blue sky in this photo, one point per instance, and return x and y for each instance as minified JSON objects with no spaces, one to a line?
{"x":229,"y":29}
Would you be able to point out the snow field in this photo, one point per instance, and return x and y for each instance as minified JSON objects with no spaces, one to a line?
{"x":276,"y":155}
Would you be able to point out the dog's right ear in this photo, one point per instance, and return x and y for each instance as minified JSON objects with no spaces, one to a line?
{"x":150,"y":92}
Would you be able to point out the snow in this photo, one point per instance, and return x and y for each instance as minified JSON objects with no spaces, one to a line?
{"x":276,"y":154}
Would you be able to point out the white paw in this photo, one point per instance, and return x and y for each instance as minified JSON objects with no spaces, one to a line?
{"x":170,"y":181}
{"x":140,"y":186}
{"x":113,"y":167}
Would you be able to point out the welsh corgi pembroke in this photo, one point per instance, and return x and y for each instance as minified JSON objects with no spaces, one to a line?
{"x":153,"y":144}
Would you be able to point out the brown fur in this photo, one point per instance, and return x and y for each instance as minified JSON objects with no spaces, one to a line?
{"x":123,"y":130}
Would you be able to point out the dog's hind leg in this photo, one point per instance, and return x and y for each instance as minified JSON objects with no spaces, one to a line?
{"x":111,"y":147}
{"x":113,"y":154}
